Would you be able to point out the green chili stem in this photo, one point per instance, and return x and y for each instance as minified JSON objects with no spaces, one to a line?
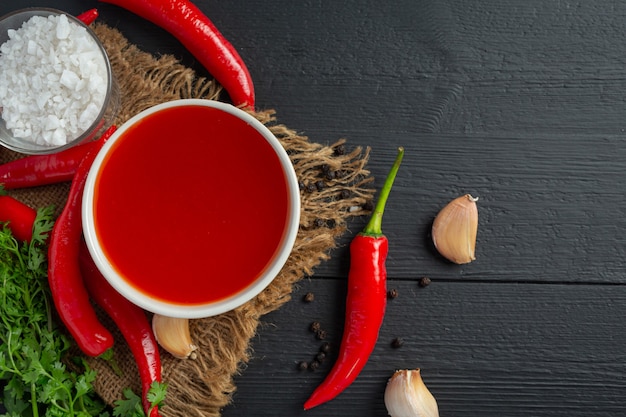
{"x":375,"y":225}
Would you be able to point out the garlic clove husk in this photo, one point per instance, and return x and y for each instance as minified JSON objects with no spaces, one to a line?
{"x":406,"y":395}
{"x":173,"y":335}
{"x":455,"y":228}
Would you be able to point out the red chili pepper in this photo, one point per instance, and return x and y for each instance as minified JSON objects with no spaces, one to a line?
{"x":132,"y":322}
{"x":66,"y":283}
{"x":366,"y":301}
{"x":36,"y":170}
{"x":198,"y":34}
{"x":88,"y":17}
{"x":19,"y":217}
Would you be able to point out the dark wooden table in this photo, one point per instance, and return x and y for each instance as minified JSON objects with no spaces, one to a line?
{"x":520,"y":103}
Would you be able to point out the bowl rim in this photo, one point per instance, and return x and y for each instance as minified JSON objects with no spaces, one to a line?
{"x":221,"y":306}
{"x":97,"y":125}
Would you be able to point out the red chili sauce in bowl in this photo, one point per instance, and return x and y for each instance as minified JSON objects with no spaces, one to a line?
{"x":192,"y":205}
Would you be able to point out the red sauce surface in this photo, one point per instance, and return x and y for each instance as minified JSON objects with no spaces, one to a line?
{"x":190,"y":205}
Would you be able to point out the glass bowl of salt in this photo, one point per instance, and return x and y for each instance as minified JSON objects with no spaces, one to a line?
{"x":56,"y":85}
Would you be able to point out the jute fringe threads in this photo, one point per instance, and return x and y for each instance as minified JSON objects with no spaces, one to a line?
{"x":335,"y":186}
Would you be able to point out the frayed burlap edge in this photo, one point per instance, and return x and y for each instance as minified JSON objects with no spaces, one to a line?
{"x":334,"y":187}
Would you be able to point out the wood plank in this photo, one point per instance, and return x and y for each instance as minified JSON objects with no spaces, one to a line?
{"x":522,"y":109}
{"x":549,"y":210}
{"x":485,"y":349}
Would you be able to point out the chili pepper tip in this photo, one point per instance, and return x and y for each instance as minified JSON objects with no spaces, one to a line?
{"x":88,"y":17}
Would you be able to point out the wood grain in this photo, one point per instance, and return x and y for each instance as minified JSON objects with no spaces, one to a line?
{"x":483,"y":348}
{"x":519,"y":103}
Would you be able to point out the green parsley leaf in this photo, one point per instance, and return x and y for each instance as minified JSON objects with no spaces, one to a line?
{"x":157,"y":393}
{"x":32,"y":347}
{"x":130,"y":406}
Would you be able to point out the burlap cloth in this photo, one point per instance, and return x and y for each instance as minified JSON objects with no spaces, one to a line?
{"x":335,"y":186}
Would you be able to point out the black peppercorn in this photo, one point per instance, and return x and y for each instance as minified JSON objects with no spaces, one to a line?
{"x":397,"y":342}
{"x":320,"y":185}
{"x":345,"y":194}
{"x":314,"y":365}
{"x":311,"y":188}
{"x":315,"y":326}
{"x":325,"y":347}
{"x":308,"y":297}
{"x":321,"y":334}
{"x":392,"y":293}
{"x":320,"y":223}
{"x":339,"y":150}
{"x":320,"y":357}
{"x":424,"y":282}
{"x":303,"y":365}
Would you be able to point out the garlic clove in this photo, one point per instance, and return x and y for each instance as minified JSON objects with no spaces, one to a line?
{"x":173,"y":335}
{"x":454,"y":229}
{"x":406,"y":395}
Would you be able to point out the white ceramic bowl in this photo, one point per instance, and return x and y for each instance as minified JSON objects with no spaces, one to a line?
{"x":247,"y":225}
{"x":108,"y":110}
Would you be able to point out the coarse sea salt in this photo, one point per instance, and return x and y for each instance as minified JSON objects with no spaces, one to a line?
{"x":53,"y":80}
